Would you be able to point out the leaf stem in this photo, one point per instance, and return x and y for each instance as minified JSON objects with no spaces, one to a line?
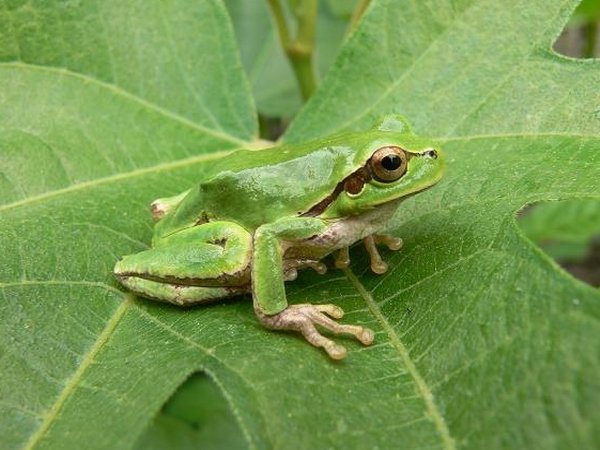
{"x":299,"y":50}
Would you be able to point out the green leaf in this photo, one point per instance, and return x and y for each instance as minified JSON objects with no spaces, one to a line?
{"x":481,"y":340}
{"x":155,"y":55}
{"x":459,"y":68}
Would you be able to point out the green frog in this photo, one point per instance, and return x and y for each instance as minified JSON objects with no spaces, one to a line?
{"x":257,"y":216}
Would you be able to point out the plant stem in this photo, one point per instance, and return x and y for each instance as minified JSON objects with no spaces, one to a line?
{"x":300,"y":49}
{"x":280,"y":22}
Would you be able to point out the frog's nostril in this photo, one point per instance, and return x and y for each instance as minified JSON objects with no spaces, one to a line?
{"x":430,"y":153}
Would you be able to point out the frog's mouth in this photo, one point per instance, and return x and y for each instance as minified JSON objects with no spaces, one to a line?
{"x":404,"y":197}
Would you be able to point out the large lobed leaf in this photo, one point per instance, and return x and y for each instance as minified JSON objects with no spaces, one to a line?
{"x":482,"y":342}
{"x":458,"y":68}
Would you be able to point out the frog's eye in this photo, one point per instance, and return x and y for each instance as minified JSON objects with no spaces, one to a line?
{"x":388,"y":164}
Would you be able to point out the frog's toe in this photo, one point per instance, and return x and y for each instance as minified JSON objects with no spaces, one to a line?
{"x":290,"y":274}
{"x":335,"y":351}
{"x":312,"y":335}
{"x":331,"y":310}
{"x":392,"y":242}
{"x":158,"y":209}
{"x":342,"y":259}
{"x":378,"y":265}
{"x":364,"y":335}
{"x":320,"y":268}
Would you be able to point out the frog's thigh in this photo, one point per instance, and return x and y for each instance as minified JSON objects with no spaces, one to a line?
{"x":218,"y":252}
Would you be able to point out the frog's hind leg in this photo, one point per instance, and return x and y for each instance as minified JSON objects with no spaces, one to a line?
{"x":161,"y":206}
{"x":199,"y":264}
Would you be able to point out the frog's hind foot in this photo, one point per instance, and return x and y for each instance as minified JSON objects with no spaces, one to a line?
{"x":304,"y":317}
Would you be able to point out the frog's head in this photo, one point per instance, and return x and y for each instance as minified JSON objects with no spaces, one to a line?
{"x":388,"y":166}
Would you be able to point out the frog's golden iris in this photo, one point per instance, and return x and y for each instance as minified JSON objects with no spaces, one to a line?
{"x":388,"y":163}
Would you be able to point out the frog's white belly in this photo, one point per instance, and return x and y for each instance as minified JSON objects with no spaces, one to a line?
{"x":340,"y":234}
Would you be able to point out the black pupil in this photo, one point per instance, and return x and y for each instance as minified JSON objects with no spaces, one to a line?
{"x":391,"y":162}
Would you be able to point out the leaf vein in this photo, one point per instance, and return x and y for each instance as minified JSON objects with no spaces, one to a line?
{"x":422,"y":387}
{"x":208,"y":352}
{"x":72,"y":383}
{"x":128,"y":95}
{"x":111,"y":178}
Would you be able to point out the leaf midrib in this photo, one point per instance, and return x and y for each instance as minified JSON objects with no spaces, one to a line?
{"x":118,"y":177}
{"x":72,"y":383}
{"x":422,"y":388}
{"x":51,"y":415}
{"x":125,"y":94}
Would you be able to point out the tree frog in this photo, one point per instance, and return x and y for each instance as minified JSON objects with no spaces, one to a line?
{"x":257,"y":216}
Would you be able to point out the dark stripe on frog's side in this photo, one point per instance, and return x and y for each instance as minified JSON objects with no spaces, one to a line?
{"x":353,"y":184}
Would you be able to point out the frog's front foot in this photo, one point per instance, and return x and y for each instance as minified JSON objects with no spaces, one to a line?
{"x":304,"y":317}
{"x":378,"y":265}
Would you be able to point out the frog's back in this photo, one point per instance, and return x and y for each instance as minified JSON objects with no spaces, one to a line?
{"x":257,"y":187}
{"x":253,"y":187}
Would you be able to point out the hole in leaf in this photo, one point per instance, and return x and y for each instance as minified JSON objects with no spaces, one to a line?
{"x":581,"y":36}
{"x":196,"y":416}
{"x":271,"y":128}
{"x":569,"y":232}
